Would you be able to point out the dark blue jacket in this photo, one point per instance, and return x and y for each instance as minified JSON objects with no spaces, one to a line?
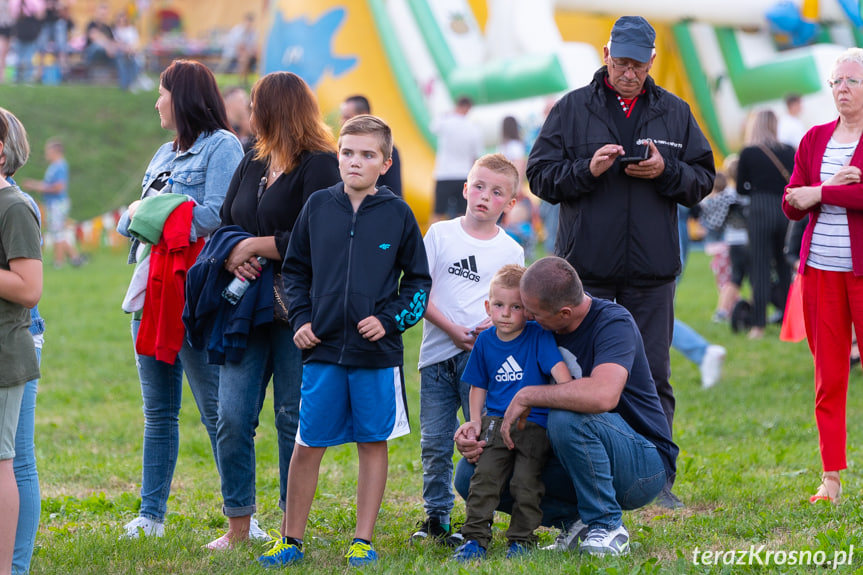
{"x":213,"y":323}
{"x":615,"y":229}
{"x":342,"y":267}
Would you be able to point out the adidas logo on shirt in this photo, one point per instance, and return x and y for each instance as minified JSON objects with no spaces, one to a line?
{"x":510,"y":370}
{"x":465,"y":268}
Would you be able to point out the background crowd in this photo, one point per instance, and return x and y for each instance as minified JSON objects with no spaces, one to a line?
{"x":42,"y":43}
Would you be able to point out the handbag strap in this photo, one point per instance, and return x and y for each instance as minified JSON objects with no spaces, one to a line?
{"x":769,"y":153}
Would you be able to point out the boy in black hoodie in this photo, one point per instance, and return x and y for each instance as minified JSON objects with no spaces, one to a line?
{"x":356,"y":276}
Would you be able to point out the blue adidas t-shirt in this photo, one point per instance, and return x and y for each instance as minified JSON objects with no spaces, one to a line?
{"x":504,"y":367}
{"x":57,"y":172}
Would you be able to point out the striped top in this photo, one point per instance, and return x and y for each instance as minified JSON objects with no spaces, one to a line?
{"x":831,"y":245}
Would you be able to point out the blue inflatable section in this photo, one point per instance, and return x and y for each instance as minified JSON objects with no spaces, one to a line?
{"x":852,"y":9}
{"x":305,"y":48}
{"x":788,"y":27}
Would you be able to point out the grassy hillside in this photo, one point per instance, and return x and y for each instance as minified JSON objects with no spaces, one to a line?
{"x":110,"y":137}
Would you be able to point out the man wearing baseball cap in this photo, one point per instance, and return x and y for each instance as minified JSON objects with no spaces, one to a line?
{"x":619,"y":155}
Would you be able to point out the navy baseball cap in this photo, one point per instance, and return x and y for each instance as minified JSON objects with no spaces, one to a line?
{"x":632,"y":37}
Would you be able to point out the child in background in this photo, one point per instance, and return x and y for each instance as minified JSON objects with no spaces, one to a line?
{"x":356,"y":260}
{"x":511,"y":355}
{"x":520,"y":221}
{"x":724,"y":215}
{"x":54,"y":188}
{"x":463,"y":255}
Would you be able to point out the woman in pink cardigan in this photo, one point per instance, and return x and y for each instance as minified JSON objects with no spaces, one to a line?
{"x":826,"y":184}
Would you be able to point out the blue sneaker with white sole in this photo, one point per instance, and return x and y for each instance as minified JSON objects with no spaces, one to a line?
{"x":470,"y":550}
{"x":361,"y":554}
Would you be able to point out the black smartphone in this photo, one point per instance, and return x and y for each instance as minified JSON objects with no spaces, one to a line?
{"x":636,"y":154}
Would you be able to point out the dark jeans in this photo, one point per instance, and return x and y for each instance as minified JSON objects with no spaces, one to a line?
{"x":524,"y":464}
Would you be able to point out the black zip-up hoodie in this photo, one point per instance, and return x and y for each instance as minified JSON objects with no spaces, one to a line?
{"x":343,"y":266}
{"x":616,"y":229}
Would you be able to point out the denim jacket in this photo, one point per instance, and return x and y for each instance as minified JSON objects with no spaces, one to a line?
{"x":37,"y":324}
{"x":202,"y":173}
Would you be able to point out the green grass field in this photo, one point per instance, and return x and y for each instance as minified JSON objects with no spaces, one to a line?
{"x":749,"y":449}
{"x":748,"y":461}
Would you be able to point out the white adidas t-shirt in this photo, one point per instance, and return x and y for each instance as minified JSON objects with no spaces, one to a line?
{"x":461,"y":268}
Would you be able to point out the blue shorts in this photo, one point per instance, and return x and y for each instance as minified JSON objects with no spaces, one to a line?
{"x":340,"y":404}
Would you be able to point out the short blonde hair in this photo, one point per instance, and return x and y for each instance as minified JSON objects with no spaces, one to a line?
{"x":507,"y":277}
{"x":499,"y":164}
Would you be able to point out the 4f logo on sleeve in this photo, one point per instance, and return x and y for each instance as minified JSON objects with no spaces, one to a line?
{"x":465,"y":268}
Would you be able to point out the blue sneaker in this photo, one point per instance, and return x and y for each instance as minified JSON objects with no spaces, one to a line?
{"x":516,"y":550}
{"x":361,"y":554}
{"x":282,"y":553}
{"x":470,"y":550}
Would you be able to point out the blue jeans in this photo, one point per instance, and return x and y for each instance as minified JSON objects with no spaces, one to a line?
{"x":27,"y":478}
{"x":127,"y":70}
{"x":162,"y":391}
{"x":549,"y":214}
{"x":601,"y":466}
{"x":442,"y":392}
{"x":25,"y":52}
{"x":242,"y":387}
{"x":688,"y":342}
{"x":611,"y":466}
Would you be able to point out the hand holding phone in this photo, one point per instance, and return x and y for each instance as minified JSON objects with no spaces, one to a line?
{"x":638,"y":153}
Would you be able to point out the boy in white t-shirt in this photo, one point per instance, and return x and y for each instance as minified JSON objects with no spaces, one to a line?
{"x":463,"y":255}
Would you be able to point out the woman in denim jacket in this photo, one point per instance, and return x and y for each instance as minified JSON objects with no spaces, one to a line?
{"x":199,"y":164}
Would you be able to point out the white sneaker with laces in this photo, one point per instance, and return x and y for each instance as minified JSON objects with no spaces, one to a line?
{"x":569,"y":538}
{"x":601,"y":541}
{"x":255,"y":531}
{"x":149,"y":527}
{"x":711,"y":365}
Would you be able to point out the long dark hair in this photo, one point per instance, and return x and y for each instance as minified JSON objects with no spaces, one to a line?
{"x":196,"y":100}
{"x":510,"y":129}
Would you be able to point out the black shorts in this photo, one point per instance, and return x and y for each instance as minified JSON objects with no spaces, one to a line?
{"x":449,"y":198}
{"x":5,"y":32}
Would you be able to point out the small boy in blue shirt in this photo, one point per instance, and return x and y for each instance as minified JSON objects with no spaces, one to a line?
{"x":512,"y":354}
{"x":356,"y":277}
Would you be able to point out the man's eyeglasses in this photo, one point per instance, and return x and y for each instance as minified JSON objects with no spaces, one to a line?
{"x":632,"y":65}
{"x":850,"y":82}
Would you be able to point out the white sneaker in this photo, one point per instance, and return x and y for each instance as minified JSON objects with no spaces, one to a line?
{"x":255,"y":531}
{"x":600,"y":541}
{"x":569,"y":538}
{"x":711,"y":365}
{"x":149,"y":527}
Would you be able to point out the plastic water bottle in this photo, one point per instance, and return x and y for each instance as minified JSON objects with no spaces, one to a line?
{"x":235,"y":290}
